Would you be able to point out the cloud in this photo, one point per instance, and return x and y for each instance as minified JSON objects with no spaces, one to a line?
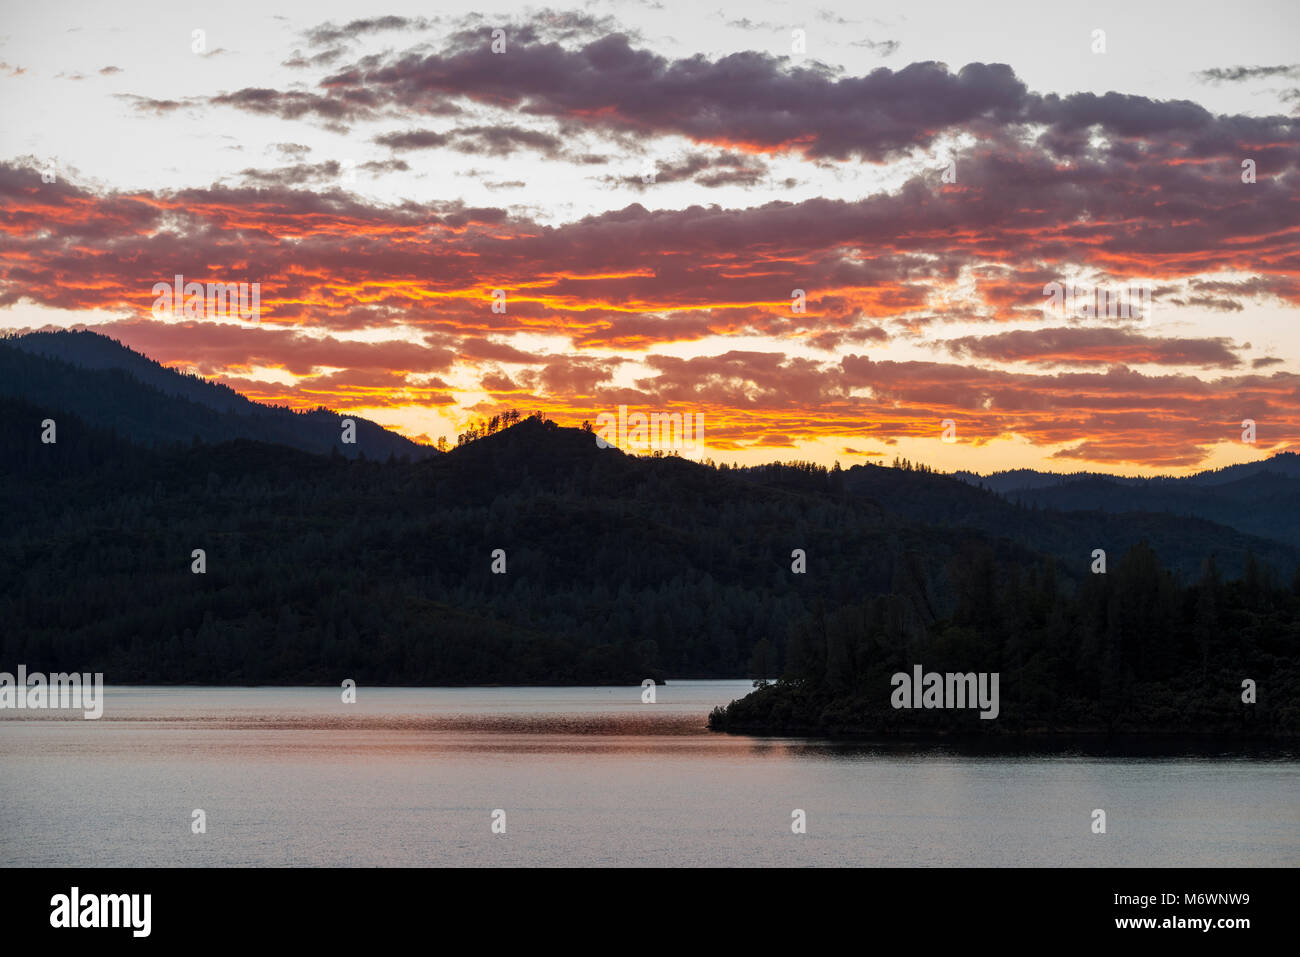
{"x":571,"y":376}
{"x":328,"y":33}
{"x":478,"y":140}
{"x":883,"y":47}
{"x":1094,"y":346}
{"x":1237,"y":74}
{"x":744,"y":23}
{"x":322,"y":58}
{"x":761,"y":102}
{"x":414,"y":140}
{"x":704,"y":169}
{"x":147,"y":104}
{"x":329,"y":171}
{"x":749,"y":99}
{"x":583,"y":71}
{"x":335,"y":110}
{"x":292,"y":150}
{"x":705,"y":269}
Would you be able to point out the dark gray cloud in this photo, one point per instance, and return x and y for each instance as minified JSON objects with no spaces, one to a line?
{"x":749,"y":98}
{"x":477,"y":140}
{"x":1237,"y":74}
{"x":744,"y":23}
{"x":324,"y":58}
{"x":327,"y":34}
{"x":147,"y":104}
{"x":414,"y":140}
{"x":306,"y":174}
{"x":750,"y":101}
{"x":727,"y":168}
{"x":763,"y":102}
{"x":883,"y":47}
{"x":295,"y":150}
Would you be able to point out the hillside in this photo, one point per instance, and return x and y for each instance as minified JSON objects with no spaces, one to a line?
{"x":613,"y":568}
{"x":104,"y":383}
{"x":1016,"y":480}
{"x":617,"y":567}
{"x":1184,"y":524}
{"x":1258,"y":499}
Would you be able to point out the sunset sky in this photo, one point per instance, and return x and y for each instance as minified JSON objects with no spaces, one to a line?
{"x":381,"y":170}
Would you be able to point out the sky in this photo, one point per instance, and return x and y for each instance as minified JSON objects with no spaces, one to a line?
{"x":455,"y":209}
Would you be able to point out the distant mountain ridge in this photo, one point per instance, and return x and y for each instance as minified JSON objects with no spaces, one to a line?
{"x":1231,"y":514}
{"x":1015,"y":480}
{"x":1258,"y":498}
{"x":108,"y":384}
{"x":1068,"y":533}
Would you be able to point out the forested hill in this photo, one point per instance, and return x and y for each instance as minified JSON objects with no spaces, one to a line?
{"x":530,"y":555}
{"x":1072,"y":529}
{"x":1142,"y":649}
{"x":104,"y":383}
{"x":1017,"y":480}
{"x":1258,"y":498}
{"x":318,"y":568}
{"x":1133,"y":651}
{"x":616,"y":568}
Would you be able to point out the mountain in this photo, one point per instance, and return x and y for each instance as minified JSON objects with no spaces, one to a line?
{"x":616,"y":568}
{"x":1255,"y":498}
{"x":530,"y":555}
{"x":1015,"y":480}
{"x":1149,"y":648}
{"x":1283,"y":463}
{"x":1069,"y":526}
{"x":104,"y":383}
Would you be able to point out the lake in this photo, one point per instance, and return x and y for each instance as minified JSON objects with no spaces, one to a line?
{"x":586,"y":776}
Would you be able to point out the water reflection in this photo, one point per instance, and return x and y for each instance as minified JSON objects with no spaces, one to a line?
{"x":591,"y":776}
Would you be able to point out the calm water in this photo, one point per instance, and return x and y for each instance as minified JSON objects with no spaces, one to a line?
{"x":586,"y":776}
